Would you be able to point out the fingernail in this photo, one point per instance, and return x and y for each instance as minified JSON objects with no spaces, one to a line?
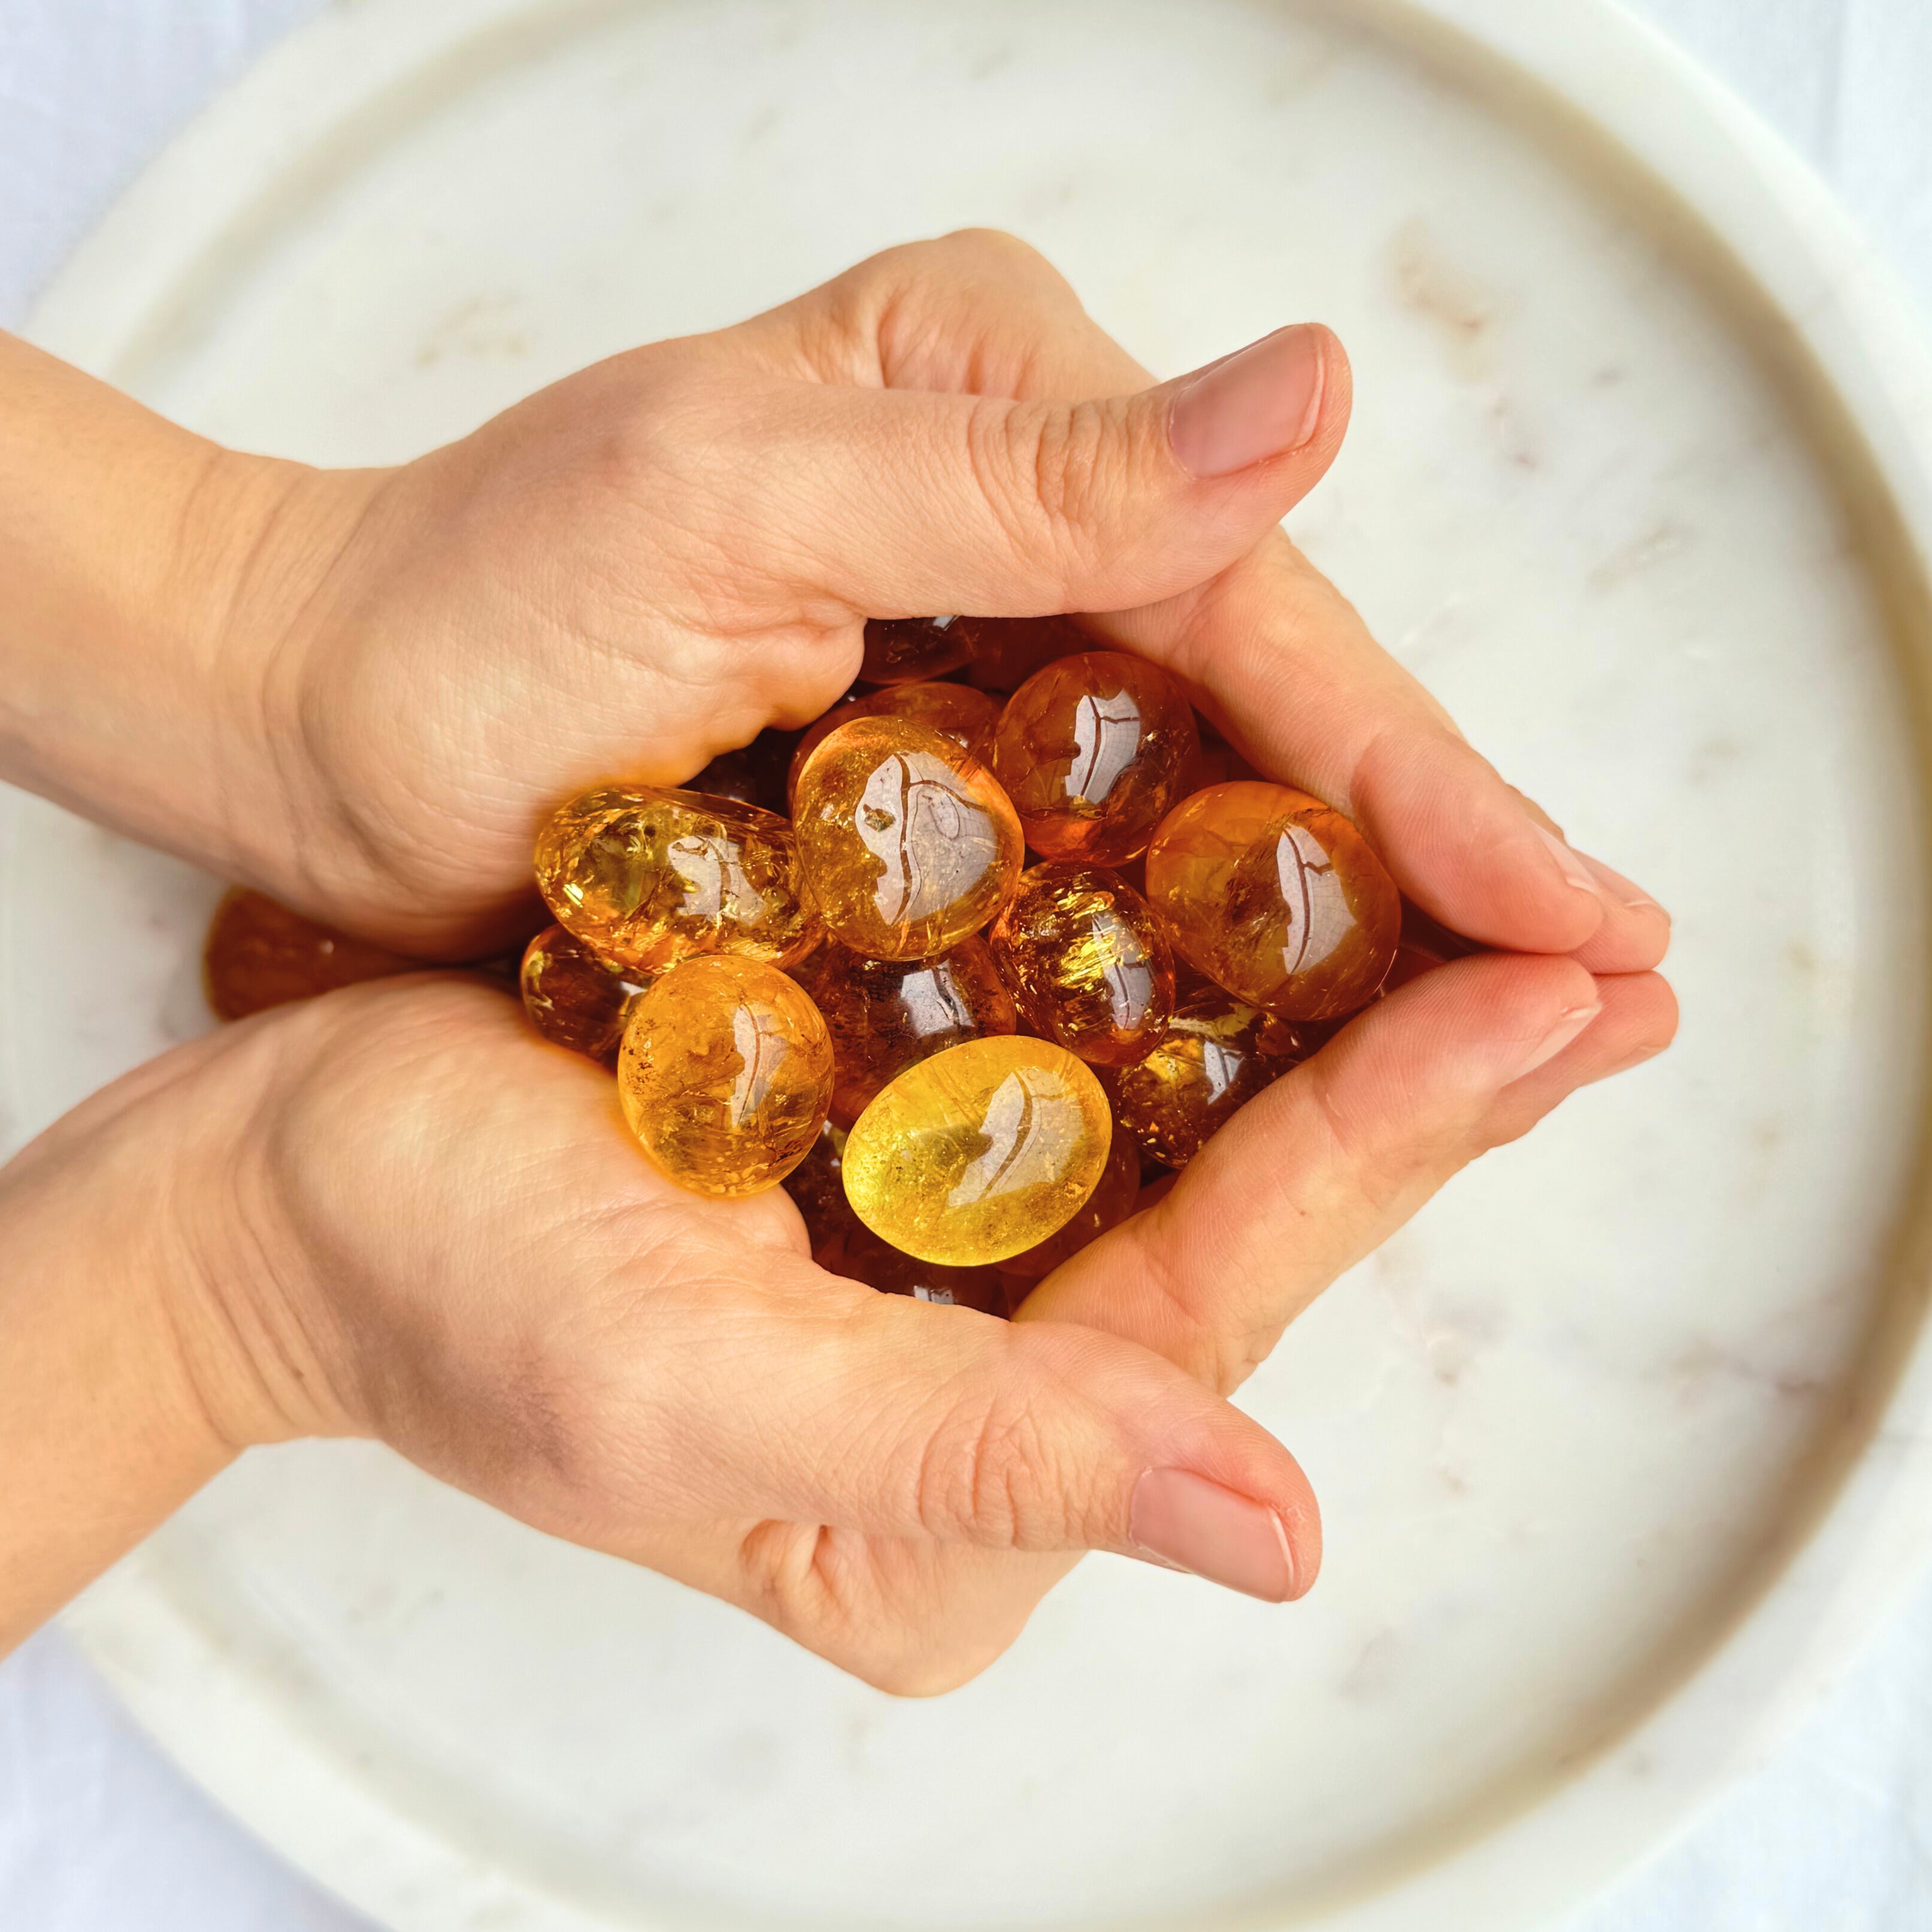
{"x":1189,"y":1523}
{"x":1263,"y":400}
{"x":1569,"y":1025}
{"x":1625,"y":891}
{"x":1574,"y":869}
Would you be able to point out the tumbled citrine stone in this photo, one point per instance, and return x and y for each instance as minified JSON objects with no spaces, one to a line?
{"x":573,"y":998}
{"x":1217,"y":1054}
{"x":906,"y":842}
{"x":1094,"y":750}
{"x":1087,"y":961}
{"x":259,"y":954}
{"x":1114,"y":1197}
{"x":859,"y":1255}
{"x":901,"y":650}
{"x":1277,"y":897}
{"x":968,"y":717}
{"x":725,"y":1074}
{"x":1006,"y":651}
{"x":884,"y":1014}
{"x":980,"y":1152}
{"x":647,"y":877}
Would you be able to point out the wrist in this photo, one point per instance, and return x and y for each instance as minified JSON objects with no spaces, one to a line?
{"x":102,"y":1430}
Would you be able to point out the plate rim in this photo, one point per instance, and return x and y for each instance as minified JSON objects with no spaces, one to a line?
{"x":297,"y":114}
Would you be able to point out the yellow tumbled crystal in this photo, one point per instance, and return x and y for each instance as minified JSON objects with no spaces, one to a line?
{"x":980,"y":1152}
{"x":645,"y":877}
{"x":725,"y":1074}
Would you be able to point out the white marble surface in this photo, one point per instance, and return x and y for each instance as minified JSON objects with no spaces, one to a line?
{"x":1822,"y":1837}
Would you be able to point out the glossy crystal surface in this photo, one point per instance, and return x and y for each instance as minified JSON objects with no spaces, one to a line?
{"x":906,"y":843}
{"x":1277,"y":897}
{"x":1094,"y":751}
{"x":979,"y":1153}
{"x":725,"y":1074}
{"x":1217,"y":1054}
{"x":884,"y":1015}
{"x":574,"y":998}
{"x":258,"y":954}
{"x":901,"y":650}
{"x":1087,"y":963}
{"x":956,"y":711}
{"x":1113,"y":1199}
{"x":647,"y":877}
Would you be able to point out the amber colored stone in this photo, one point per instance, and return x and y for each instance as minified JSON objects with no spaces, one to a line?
{"x":968,"y":717}
{"x":902,"y":650}
{"x":258,"y":954}
{"x":859,"y":1255}
{"x":1217,"y":1054}
{"x":884,"y":1015}
{"x":1220,"y":763}
{"x":1113,"y":1199}
{"x":1277,"y":897}
{"x":647,"y":877}
{"x":729,"y":775}
{"x":1087,"y":963}
{"x":574,"y":998}
{"x":725,"y":1074}
{"x":906,"y":842}
{"x":1094,"y":750}
{"x":1008,"y":650}
{"x":816,"y":1186}
{"x":979,"y":1153}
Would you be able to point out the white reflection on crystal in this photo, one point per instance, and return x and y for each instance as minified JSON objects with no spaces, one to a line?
{"x":712,"y":879}
{"x":762,"y":1049}
{"x":1032,"y":1123}
{"x":1107,"y":740}
{"x":1319,"y":918}
{"x":934,"y":843}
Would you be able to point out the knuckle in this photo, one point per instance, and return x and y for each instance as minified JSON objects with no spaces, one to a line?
{"x":1046,"y":473}
{"x":988,"y":1474}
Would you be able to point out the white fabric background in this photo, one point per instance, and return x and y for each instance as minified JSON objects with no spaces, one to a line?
{"x":99,"y":1834}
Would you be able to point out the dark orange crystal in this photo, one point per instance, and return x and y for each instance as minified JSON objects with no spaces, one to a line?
{"x":1277,"y":897}
{"x":1094,"y":751}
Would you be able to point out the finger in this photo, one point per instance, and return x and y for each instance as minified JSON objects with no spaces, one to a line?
{"x":1324,"y":1166}
{"x":824,"y":1404}
{"x":1286,"y":669}
{"x":903,"y":501}
{"x":1272,"y":652}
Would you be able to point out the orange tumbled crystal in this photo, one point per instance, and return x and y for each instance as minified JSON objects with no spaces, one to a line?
{"x":1217,"y":1054}
{"x":259,"y":954}
{"x":647,"y":877}
{"x":884,"y":1014}
{"x":816,"y":1186}
{"x":725,"y":1074}
{"x":1094,"y":750}
{"x":574,"y":998}
{"x":906,"y":842}
{"x":901,"y":650}
{"x":1087,"y":962}
{"x":1277,"y":897}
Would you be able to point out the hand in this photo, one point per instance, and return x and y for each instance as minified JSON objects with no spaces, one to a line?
{"x":644,"y":564}
{"x":395,"y":1211}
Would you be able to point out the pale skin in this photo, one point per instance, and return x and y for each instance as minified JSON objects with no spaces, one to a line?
{"x":395,"y":1212}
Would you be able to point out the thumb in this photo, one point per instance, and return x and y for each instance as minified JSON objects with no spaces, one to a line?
{"x":915,"y":502}
{"x":894,"y":1417}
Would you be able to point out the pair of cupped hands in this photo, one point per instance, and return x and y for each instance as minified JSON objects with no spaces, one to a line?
{"x":396,"y":1212}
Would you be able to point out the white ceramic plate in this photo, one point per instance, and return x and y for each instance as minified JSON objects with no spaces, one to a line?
{"x":1620,"y":1445}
